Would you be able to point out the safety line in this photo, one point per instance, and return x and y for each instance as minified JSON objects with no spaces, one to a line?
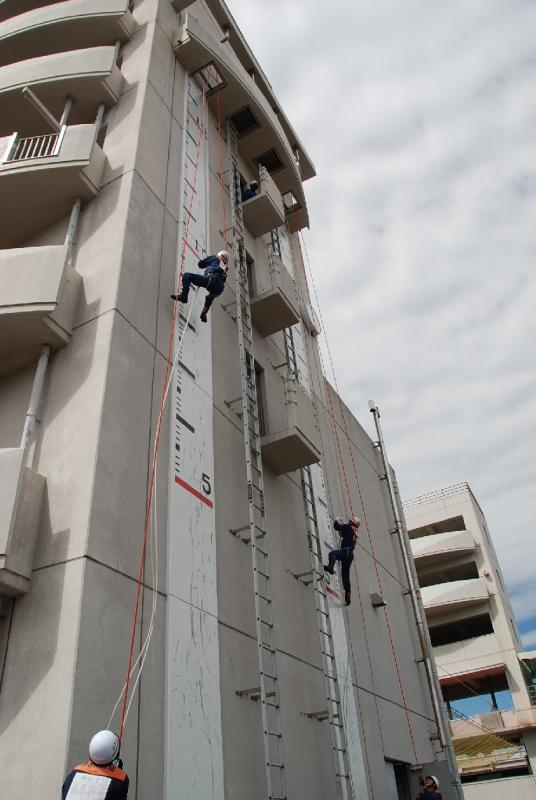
{"x":169,"y":369}
{"x":362,"y":499}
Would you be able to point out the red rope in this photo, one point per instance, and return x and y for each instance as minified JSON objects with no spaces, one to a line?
{"x":222,"y":171}
{"x":361,"y":497}
{"x":158,"y":431}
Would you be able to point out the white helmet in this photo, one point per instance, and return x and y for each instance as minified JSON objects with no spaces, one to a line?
{"x":432,"y":777}
{"x":223,"y":255}
{"x":355,"y":520}
{"x":104,"y":747}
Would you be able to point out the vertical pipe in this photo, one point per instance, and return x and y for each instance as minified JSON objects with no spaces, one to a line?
{"x":66,"y":110}
{"x":35,"y":398}
{"x":418,"y":608}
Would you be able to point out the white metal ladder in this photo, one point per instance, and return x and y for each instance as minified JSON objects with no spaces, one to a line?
{"x":262,"y":583}
{"x":331,"y":682}
{"x":334,"y":711}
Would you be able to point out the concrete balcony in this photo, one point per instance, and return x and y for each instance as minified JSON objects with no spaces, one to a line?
{"x":292,"y":440}
{"x":441,"y":547}
{"x":41,"y":176}
{"x":91,"y":76}
{"x":230,"y":86}
{"x":274,"y":303}
{"x":12,"y":8}
{"x":454,"y":595}
{"x":509,"y":722}
{"x":38,"y":297}
{"x":265,"y":211}
{"x":21,"y":494}
{"x":69,"y":25}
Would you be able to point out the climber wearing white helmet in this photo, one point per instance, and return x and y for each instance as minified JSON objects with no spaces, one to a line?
{"x":429,"y":788}
{"x":345,"y":553}
{"x":213,"y":280}
{"x":100,"y":778}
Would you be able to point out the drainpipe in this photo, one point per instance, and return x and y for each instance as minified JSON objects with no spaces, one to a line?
{"x":418,"y":609}
{"x":35,"y":399}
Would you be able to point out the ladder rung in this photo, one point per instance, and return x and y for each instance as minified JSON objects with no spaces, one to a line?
{"x":276,"y":766}
{"x":263,"y":597}
{"x":265,"y":646}
{"x":263,"y":622}
{"x":264,"y":574}
{"x":277,"y":736}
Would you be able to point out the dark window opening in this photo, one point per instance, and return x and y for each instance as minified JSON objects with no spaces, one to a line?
{"x":462,"y":572}
{"x":261,"y":405}
{"x":250,"y":265}
{"x":402,"y":782}
{"x":244,"y":121}
{"x":209,"y":78}
{"x":450,"y":632}
{"x":471,"y":697}
{"x":270,"y":160}
{"x":443,"y":526}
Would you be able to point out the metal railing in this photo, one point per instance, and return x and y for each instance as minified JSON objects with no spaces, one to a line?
{"x":532,"y":693}
{"x":34,"y":147}
{"x":448,"y":491}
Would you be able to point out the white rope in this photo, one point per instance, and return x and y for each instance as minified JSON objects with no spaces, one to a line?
{"x":154,"y":537}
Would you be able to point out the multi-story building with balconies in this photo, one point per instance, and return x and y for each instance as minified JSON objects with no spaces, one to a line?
{"x":127,"y":131}
{"x":487,"y":681}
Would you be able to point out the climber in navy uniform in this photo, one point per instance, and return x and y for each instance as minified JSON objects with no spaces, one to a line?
{"x":250,"y":191}
{"x":100,"y":778}
{"x":213,"y":280}
{"x":345,"y":553}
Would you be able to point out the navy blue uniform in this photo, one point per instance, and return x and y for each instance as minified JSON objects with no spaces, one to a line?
{"x":98,"y":783}
{"x":213,"y":279}
{"x":345,"y":554}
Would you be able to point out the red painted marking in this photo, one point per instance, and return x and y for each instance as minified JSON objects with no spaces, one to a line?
{"x":189,"y":246}
{"x":331,"y":591}
{"x":193,"y":491}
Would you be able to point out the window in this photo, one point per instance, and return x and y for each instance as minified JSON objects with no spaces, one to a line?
{"x":250,"y":265}
{"x":244,"y":121}
{"x":270,"y":160}
{"x":259,"y":382}
{"x":473,"y":696}
{"x":480,"y":625}
{"x":209,"y":78}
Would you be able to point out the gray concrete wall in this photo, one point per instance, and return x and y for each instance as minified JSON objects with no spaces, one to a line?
{"x":71,"y":631}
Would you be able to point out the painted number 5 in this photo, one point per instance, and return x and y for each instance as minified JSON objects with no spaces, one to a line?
{"x":207,"y":488}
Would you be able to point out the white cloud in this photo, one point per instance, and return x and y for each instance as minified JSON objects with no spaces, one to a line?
{"x":420,"y":118}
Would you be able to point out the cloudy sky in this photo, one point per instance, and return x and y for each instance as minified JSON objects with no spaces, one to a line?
{"x":420,"y":117}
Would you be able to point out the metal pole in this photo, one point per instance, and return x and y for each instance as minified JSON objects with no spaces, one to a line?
{"x":418,"y":608}
{"x":35,"y":398}
{"x":98,"y":120}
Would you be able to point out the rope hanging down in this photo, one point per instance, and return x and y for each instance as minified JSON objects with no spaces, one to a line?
{"x":170,"y":365}
{"x":361,"y":497}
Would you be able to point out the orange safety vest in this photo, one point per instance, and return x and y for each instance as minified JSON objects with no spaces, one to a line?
{"x":107,"y":771}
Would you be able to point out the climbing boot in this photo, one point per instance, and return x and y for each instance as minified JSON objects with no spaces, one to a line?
{"x":347,"y":598}
{"x":203,"y":316}
{"x":329,"y":568}
{"x":180,"y":298}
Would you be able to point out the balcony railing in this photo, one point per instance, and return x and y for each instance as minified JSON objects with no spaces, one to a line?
{"x":34,"y":147}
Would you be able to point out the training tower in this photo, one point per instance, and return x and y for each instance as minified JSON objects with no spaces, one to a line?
{"x":169,"y":484}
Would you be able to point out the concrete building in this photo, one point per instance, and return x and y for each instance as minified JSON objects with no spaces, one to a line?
{"x":487,"y":681}
{"x":126,"y":131}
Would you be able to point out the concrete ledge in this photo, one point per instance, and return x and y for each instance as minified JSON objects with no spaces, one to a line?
{"x":288,"y":450}
{"x":271,"y":311}
{"x":21,"y":495}
{"x":37,"y":192}
{"x":38,"y":297}
{"x":81,"y":23}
